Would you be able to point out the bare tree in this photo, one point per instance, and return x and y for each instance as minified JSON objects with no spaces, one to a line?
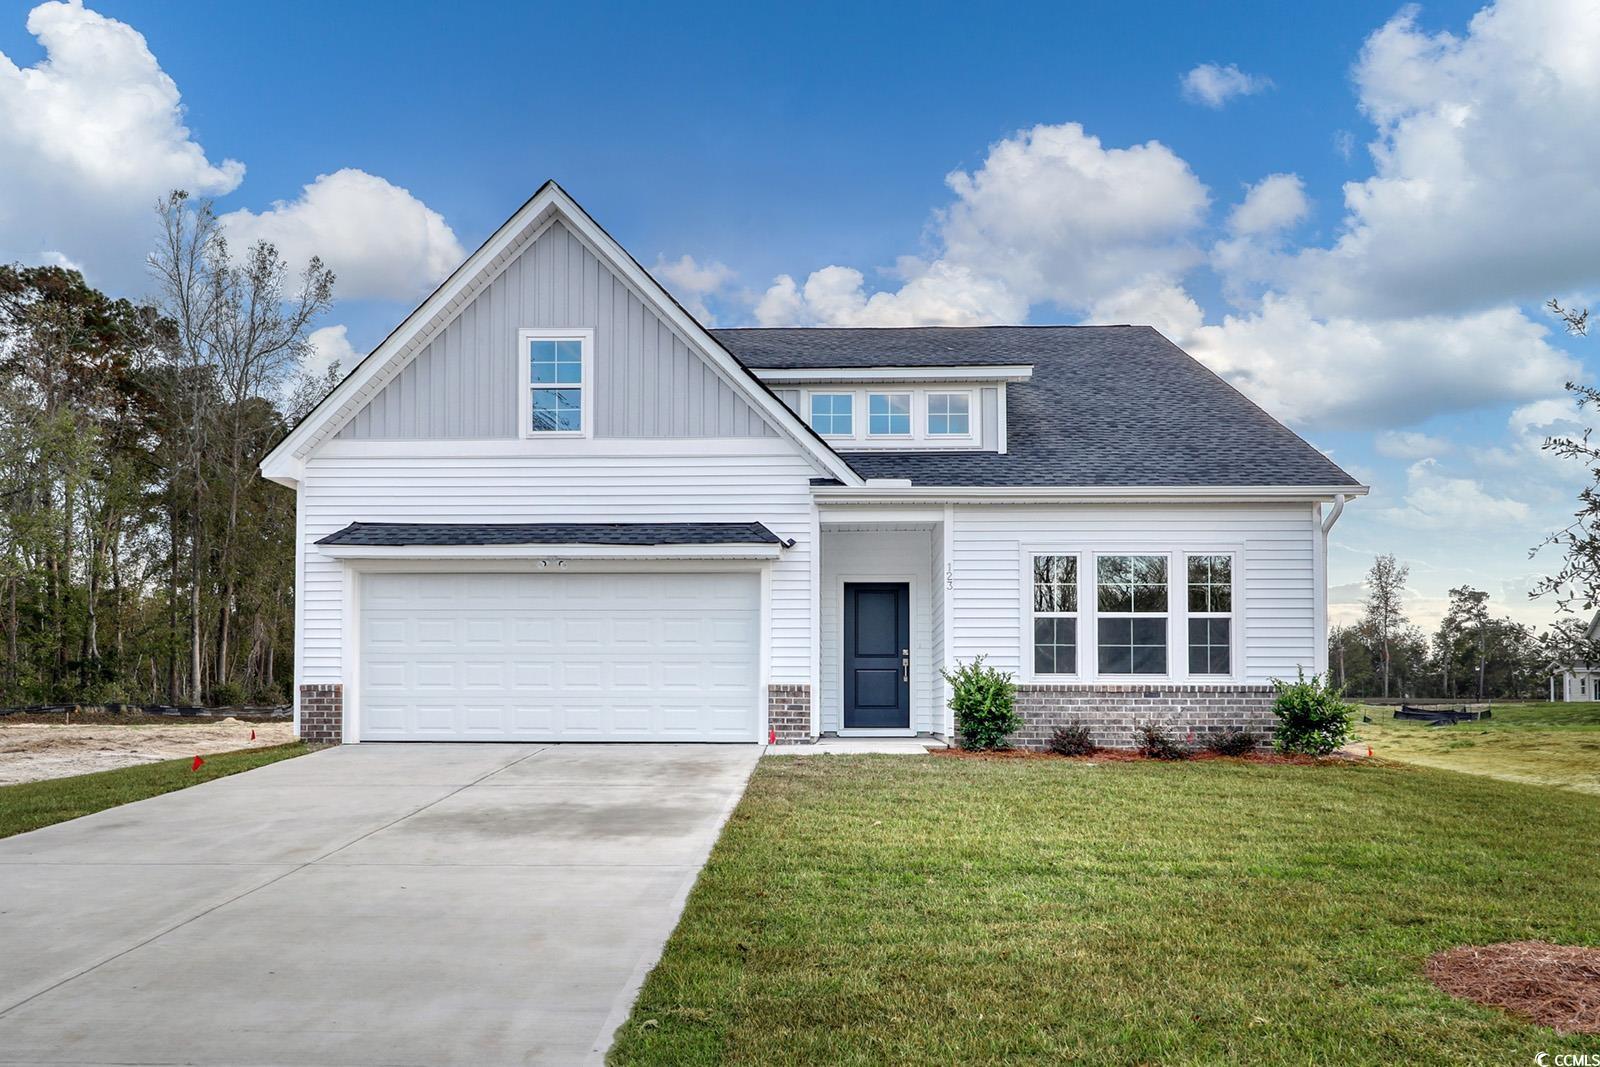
{"x":1386,"y":584}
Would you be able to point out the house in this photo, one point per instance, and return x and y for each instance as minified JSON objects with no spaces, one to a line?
{"x":1580,"y":678}
{"x":553,"y":506}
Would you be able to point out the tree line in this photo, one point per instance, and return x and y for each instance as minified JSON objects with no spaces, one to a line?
{"x":144,"y":560}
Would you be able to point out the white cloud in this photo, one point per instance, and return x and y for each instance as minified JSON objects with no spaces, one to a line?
{"x":1275,"y":203}
{"x":1052,"y":216}
{"x":1410,"y":445}
{"x":1435,"y":500}
{"x":1214,"y":85}
{"x":327,"y":346}
{"x":91,"y":136}
{"x":381,"y":241}
{"x":692,"y":282}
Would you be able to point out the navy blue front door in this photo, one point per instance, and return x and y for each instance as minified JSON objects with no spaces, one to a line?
{"x":877,"y":656}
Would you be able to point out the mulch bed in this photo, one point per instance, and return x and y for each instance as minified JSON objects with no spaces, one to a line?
{"x":1555,"y":985}
{"x":1128,"y":755}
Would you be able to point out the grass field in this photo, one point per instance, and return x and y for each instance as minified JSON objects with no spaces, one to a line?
{"x":30,"y":805}
{"x":915,"y":910}
{"x":1542,"y":744}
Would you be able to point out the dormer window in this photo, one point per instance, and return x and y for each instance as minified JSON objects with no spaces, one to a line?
{"x":833,"y":414}
{"x":949,"y":414}
{"x":557,"y":382}
{"x":889,"y":414}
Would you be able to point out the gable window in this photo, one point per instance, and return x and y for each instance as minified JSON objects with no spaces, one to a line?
{"x":1210,"y":614}
{"x":1131,"y":625}
{"x":556,"y":380}
{"x":889,"y":414}
{"x":949,"y":414}
{"x":1055,"y":615}
{"x":833,"y":414}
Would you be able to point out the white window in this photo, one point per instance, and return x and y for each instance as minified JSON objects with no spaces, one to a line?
{"x":833,"y":414}
{"x":1131,"y":614}
{"x":1210,"y":614}
{"x":949,"y":414}
{"x":1055,"y":614}
{"x":889,"y":414}
{"x":557,"y":393}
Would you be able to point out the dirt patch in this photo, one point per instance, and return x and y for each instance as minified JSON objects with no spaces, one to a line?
{"x":1128,"y":755}
{"x":1554,"y":985}
{"x":31,"y":752}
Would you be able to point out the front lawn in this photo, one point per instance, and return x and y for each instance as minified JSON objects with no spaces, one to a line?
{"x":30,"y":805}
{"x":1543,"y":744}
{"x":919,"y":910}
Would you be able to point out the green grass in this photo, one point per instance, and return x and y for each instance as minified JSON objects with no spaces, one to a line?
{"x":30,"y":805}
{"x":1540,"y":744}
{"x":893,"y":909}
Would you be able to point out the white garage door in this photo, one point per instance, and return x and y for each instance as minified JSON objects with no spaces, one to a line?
{"x":559,"y":657}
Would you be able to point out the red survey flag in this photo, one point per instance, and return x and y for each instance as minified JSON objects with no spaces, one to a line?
{"x":195,"y":766}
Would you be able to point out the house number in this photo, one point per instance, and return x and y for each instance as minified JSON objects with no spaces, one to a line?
{"x":949,"y":576}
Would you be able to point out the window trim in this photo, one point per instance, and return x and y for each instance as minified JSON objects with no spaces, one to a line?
{"x":972,"y":415}
{"x":1165,"y":616}
{"x":911,"y":414}
{"x":1029,"y":559}
{"x":1230,"y":614}
{"x":586,"y":387}
{"x":811,"y":396}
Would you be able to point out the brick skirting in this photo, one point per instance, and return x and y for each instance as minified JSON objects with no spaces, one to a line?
{"x":1112,"y":712}
{"x":789,"y":714}
{"x":322,"y":714}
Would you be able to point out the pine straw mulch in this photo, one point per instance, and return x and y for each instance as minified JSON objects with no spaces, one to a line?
{"x":1555,"y":985}
{"x":1128,"y":755}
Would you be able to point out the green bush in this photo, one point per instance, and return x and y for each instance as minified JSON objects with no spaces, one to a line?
{"x":1156,"y":742}
{"x":1313,"y":716}
{"x":228,"y":695}
{"x":985,"y":703}
{"x":1072,"y":740}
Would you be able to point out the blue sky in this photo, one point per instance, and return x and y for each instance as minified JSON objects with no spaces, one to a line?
{"x":1357,"y":225}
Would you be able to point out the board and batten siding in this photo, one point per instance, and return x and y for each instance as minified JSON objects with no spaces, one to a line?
{"x":648,"y":381}
{"x":1277,"y":605}
{"x":764,"y":482}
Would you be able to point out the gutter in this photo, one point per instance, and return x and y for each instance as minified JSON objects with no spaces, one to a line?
{"x":900,"y":493}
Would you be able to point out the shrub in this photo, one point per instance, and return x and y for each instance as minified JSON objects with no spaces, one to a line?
{"x":1232,"y":743}
{"x":1313,"y":716}
{"x":1156,"y":742}
{"x":228,"y":695}
{"x":984,"y":701}
{"x":1071,"y":740}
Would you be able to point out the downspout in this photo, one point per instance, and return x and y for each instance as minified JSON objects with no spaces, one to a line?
{"x":1333,"y":516}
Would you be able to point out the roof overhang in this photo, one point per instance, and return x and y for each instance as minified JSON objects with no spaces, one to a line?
{"x":1013,"y":372}
{"x":877,"y":493}
{"x":285,"y":464}
{"x":551,"y":552}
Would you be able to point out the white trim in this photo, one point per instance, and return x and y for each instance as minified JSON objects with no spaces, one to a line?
{"x":1030,"y":614}
{"x":1015,"y":372}
{"x":995,"y":494}
{"x":972,"y":416}
{"x":807,"y":397}
{"x":552,"y":552}
{"x":585,"y":338}
{"x":890,"y":395}
{"x":592,"y":448}
{"x":910,"y":582}
{"x":1000,"y":417}
{"x":947,"y":714}
{"x":880,"y":515}
{"x":1231,"y":615}
{"x":1319,"y":598}
{"x":550,"y":202}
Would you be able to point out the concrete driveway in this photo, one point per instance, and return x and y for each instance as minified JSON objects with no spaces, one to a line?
{"x":371,"y":904}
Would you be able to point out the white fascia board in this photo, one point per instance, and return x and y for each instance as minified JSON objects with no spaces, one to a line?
{"x":876,"y":494}
{"x":1019,"y":372}
{"x":549,"y":203}
{"x":535,"y":552}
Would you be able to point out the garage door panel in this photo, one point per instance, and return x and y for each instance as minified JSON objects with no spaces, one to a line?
{"x":598,"y":656}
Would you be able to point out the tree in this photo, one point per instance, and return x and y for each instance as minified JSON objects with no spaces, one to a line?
{"x":1469,"y":617}
{"x":1384,"y":616}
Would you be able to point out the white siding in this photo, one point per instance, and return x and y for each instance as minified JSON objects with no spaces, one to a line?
{"x":1277,"y":606}
{"x":871,"y":555}
{"x":768,"y":483}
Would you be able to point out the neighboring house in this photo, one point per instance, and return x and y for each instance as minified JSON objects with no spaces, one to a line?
{"x":1578,"y":680}
{"x":552,"y":506}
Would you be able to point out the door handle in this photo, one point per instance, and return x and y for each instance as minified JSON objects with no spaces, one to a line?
{"x":905,"y":665}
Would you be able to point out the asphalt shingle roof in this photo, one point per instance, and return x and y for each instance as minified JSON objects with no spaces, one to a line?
{"x":1107,"y":406}
{"x":398,"y":534}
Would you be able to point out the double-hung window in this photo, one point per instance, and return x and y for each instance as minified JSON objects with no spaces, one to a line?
{"x":1055,"y":614}
{"x":556,"y":382}
{"x":949,"y":414}
{"x":889,"y":414}
{"x":1131,"y":623}
{"x":833,"y":414}
{"x":1210,"y":614}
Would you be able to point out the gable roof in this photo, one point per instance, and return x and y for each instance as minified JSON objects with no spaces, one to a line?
{"x":551,"y":202}
{"x":1107,"y":406}
{"x":403,"y":534}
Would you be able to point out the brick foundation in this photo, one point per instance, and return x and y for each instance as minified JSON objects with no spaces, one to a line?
{"x":789,"y":714}
{"x":322,"y":714}
{"x":1112,"y":712}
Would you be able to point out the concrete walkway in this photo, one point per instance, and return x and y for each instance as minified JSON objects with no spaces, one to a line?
{"x":372,"y":904}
